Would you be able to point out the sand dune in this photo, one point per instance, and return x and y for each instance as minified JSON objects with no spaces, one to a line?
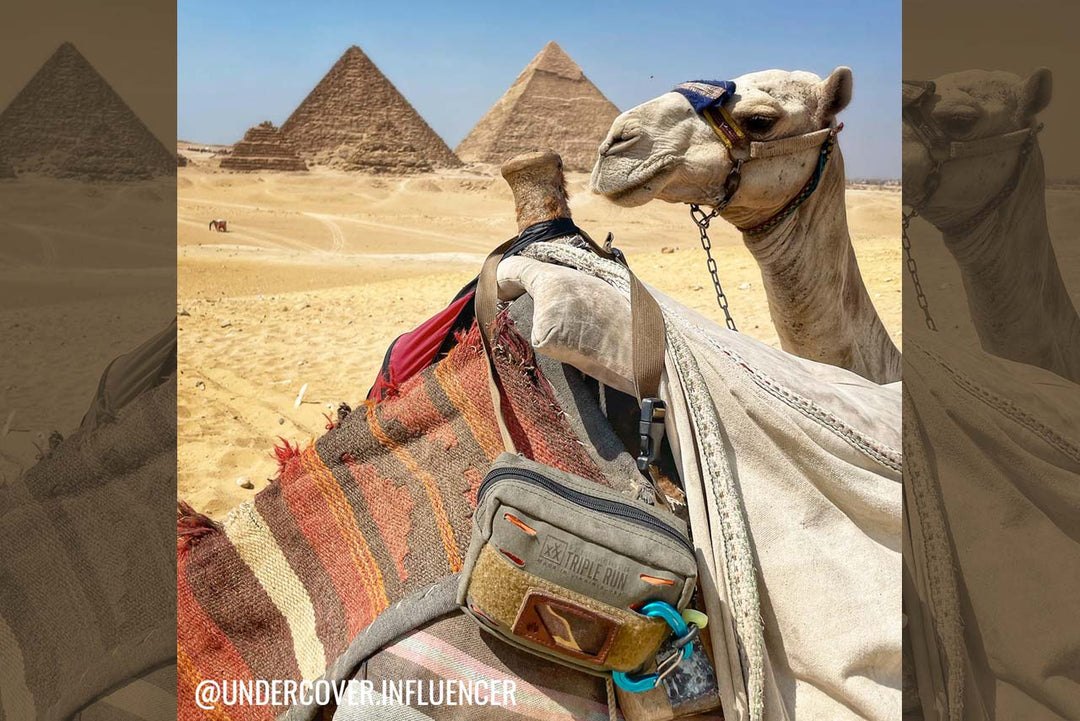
{"x":322,"y":270}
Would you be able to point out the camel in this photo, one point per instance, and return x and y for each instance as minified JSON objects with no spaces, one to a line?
{"x":219,"y":225}
{"x":663,"y":149}
{"x":399,"y":476}
{"x":973,"y":169}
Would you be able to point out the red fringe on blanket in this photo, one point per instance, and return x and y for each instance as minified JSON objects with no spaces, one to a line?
{"x":285,"y":452}
{"x":191,"y":526}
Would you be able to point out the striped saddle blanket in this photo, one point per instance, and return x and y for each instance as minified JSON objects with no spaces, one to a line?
{"x":376,"y":509}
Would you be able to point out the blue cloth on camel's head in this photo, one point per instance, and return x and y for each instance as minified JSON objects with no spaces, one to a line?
{"x":705,"y":93}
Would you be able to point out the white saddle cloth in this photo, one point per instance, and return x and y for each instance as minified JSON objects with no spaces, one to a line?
{"x":793,"y":481}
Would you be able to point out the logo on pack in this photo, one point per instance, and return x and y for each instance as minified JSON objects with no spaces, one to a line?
{"x":577,"y":562}
{"x":554,"y":550}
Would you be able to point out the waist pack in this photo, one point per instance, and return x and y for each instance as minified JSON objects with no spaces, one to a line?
{"x":562,"y":567}
{"x":566,"y":568}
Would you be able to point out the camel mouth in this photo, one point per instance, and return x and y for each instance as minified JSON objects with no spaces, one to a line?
{"x":629,"y":182}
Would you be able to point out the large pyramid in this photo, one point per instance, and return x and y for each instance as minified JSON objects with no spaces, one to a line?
{"x":551,"y":105}
{"x":263,"y":148}
{"x":68,"y":122}
{"x":357,"y":120}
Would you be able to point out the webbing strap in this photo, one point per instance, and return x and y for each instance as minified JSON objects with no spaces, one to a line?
{"x":789,"y":145}
{"x":725,"y":127}
{"x":647,"y":328}
{"x":485,"y":302}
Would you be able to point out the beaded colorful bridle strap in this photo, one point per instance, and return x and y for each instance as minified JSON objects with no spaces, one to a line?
{"x":805,"y":192}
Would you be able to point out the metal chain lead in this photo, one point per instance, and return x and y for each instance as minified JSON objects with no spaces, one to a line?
{"x":913,"y":269}
{"x":702,"y":220}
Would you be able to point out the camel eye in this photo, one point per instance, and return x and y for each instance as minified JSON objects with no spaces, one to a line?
{"x":959,"y":126}
{"x":759,"y":124}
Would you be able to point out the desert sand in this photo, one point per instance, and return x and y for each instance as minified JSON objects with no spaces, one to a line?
{"x":320,"y":271}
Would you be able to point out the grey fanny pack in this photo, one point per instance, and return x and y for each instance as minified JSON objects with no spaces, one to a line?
{"x":565,"y":567}
{"x":562,"y":567}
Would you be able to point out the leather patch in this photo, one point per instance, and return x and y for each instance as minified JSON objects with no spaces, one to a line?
{"x":565,"y":627}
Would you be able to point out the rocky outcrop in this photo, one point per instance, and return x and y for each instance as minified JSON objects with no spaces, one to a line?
{"x":551,"y":106}
{"x":356,"y":119}
{"x":263,"y":148}
{"x":67,"y":122}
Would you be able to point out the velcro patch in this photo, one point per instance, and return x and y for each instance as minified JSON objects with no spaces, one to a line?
{"x":565,"y":626}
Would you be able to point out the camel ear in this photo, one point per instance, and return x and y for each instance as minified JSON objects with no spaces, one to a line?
{"x":836,"y":91}
{"x":1036,"y":92}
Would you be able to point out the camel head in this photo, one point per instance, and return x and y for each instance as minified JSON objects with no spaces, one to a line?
{"x":963,"y":136}
{"x":664,"y":149}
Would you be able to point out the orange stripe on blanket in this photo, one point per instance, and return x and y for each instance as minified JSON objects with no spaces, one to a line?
{"x":390,"y":507}
{"x":312,"y":513}
{"x":526,"y":437}
{"x":431,"y":485}
{"x":187,"y":681}
{"x":481,"y":424}
{"x":371,"y":574}
{"x":218,"y":657}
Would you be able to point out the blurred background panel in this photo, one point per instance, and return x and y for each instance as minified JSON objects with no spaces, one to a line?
{"x":991,"y":190}
{"x":88,"y":359}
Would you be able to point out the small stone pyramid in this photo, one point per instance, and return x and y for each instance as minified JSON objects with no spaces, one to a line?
{"x":68,"y":122}
{"x":263,"y":148}
{"x":356,"y":119}
{"x":551,"y":105}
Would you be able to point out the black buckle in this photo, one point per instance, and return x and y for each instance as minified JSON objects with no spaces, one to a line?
{"x":651,"y":431}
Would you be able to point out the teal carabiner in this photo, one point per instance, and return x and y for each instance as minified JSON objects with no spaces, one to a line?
{"x":637,"y":684}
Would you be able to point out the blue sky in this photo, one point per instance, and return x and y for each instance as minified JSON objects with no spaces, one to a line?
{"x":241,"y":62}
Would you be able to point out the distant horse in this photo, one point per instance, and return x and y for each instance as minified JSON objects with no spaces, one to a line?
{"x":218,"y":225}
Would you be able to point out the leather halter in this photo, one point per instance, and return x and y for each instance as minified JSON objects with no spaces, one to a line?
{"x":917,"y":116}
{"x":741,"y":149}
{"x":706,"y":97}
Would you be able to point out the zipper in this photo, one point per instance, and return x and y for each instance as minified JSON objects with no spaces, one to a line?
{"x":603,"y":505}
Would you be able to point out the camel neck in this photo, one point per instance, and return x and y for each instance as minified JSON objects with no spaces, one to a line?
{"x":817,"y":299}
{"x":1018,"y":300}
